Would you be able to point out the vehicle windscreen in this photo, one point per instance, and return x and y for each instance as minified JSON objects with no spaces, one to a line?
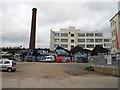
{"x":49,"y":58}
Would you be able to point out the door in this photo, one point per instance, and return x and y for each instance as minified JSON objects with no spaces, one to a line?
{"x":5,"y":65}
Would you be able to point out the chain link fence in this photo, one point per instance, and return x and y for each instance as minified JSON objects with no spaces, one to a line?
{"x":105,"y":60}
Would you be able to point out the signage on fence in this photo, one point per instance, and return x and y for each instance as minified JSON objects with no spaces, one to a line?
{"x":109,"y":59}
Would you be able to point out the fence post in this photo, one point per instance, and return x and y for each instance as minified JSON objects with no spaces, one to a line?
{"x":95,"y":60}
{"x":117,"y":64}
{"x":105,"y":60}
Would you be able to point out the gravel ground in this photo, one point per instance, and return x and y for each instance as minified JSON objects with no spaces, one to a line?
{"x":56,"y":75}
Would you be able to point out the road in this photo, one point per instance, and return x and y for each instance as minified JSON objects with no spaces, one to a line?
{"x":56,"y":75}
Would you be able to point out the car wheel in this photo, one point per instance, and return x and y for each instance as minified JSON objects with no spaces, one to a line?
{"x":9,"y":69}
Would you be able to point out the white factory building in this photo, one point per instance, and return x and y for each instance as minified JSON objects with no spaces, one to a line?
{"x":71,"y":37}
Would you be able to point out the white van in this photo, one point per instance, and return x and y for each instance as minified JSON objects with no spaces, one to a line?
{"x":49,"y":59}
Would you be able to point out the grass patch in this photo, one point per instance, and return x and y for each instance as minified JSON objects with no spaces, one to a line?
{"x":89,"y":68}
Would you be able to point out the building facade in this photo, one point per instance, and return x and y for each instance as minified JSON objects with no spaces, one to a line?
{"x":71,"y":37}
{"x":115,"y":30}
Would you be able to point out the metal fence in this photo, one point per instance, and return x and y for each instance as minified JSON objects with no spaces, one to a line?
{"x":105,"y":60}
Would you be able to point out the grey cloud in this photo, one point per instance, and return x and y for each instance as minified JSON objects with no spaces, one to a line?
{"x":52,"y":15}
{"x":15,"y":36}
{"x":102,"y":6}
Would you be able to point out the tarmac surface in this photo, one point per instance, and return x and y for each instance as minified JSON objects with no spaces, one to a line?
{"x":56,"y":75}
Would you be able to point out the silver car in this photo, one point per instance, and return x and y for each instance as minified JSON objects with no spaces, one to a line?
{"x":6,"y":64}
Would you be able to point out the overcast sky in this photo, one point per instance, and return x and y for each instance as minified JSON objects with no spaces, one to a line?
{"x":87,"y":16}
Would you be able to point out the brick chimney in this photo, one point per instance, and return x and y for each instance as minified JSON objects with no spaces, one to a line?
{"x":33,"y":29}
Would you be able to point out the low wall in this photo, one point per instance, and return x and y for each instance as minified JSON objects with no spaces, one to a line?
{"x":108,"y":70}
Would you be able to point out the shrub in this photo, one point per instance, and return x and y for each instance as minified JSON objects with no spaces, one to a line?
{"x":89,"y":68}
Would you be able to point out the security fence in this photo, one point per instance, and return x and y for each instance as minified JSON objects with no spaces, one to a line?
{"x":105,"y":60}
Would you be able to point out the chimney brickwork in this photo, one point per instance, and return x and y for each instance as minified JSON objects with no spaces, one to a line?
{"x":33,"y":29}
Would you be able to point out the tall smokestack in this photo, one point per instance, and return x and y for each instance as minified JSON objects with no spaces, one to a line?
{"x":33,"y":29}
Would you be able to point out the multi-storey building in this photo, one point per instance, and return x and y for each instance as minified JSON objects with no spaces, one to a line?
{"x":71,"y":37}
{"x":115,"y":28}
{"x":107,"y":43}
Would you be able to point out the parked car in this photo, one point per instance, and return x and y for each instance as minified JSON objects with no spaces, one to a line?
{"x":9,"y":65}
{"x":49,"y":59}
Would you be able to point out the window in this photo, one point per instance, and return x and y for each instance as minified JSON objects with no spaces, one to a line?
{"x":89,"y":34}
{"x":98,"y":40}
{"x":100,"y":45}
{"x":112,"y":33}
{"x":111,"y":24}
{"x":49,"y":58}
{"x":72,"y":46}
{"x":72,"y":35}
{"x":56,"y":34}
{"x":81,"y":40}
{"x":56,"y":40}
{"x":6,"y":62}
{"x":113,"y":44}
{"x":106,"y":44}
{"x":64,"y":45}
{"x":119,"y":24}
{"x":64,"y":34}
{"x":82,"y":45}
{"x":106,"y":40}
{"x":55,"y":45}
{"x":98,"y":34}
{"x":90,"y":46}
{"x":90,"y":40}
{"x":81,"y":34}
{"x":72,"y":41}
{"x":64,"y":40}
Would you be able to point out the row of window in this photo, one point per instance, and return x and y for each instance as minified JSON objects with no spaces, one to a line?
{"x":90,"y":34}
{"x":90,"y":40}
{"x":83,"y":40}
{"x":62,"y":40}
{"x":106,"y":44}
{"x":80,"y":35}
{"x":6,"y":62}
{"x":89,"y":45}
{"x":81,"y":45}
{"x":62,"y":45}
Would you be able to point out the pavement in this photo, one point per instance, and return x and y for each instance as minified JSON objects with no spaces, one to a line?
{"x":56,"y":75}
